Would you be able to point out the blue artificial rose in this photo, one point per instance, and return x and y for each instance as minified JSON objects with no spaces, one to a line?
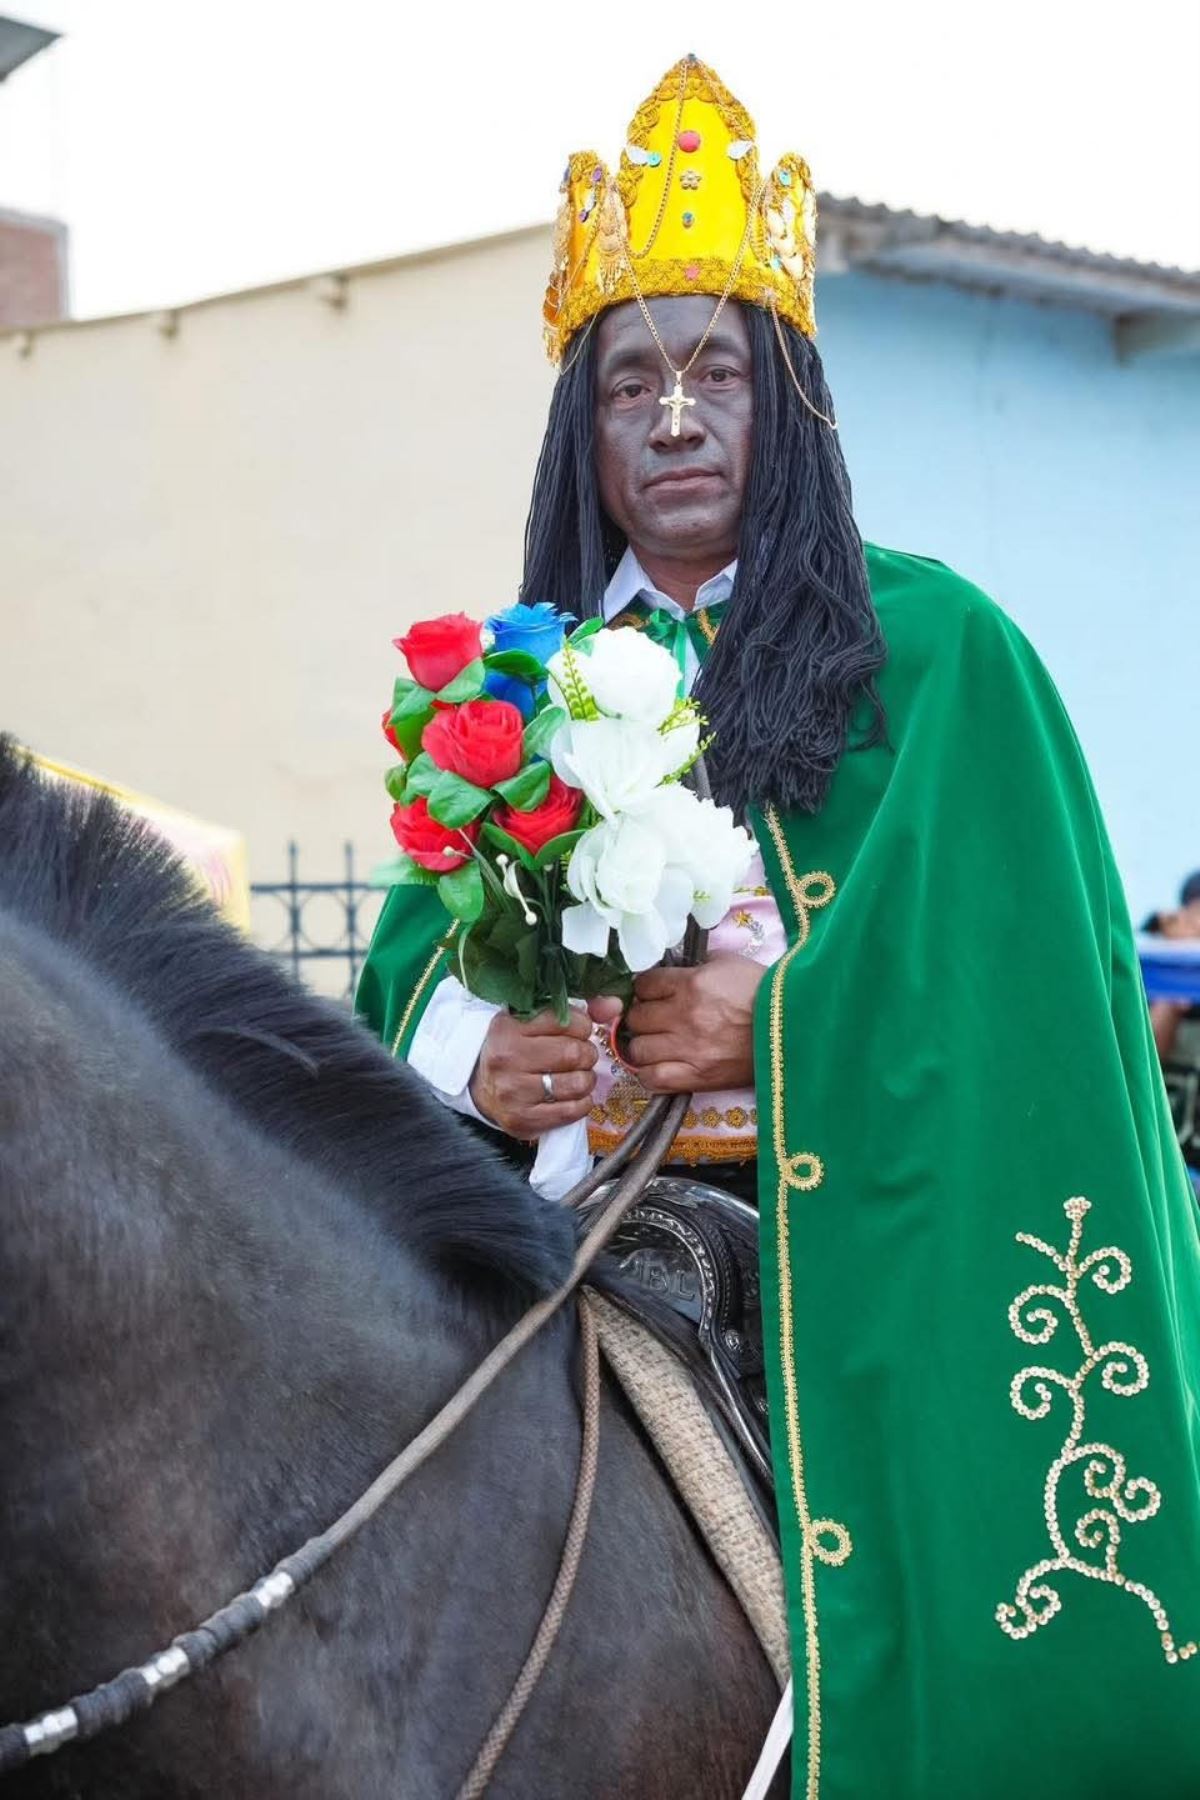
{"x":536,"y":631}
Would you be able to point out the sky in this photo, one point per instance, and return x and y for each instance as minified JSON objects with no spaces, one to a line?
{"x":194,"y":148}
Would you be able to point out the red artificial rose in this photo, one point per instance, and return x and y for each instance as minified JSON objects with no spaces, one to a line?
{"x":433,"y":846}
{"x":437,"y":650}
{"x":481,"y":740}
{"x":389,"y":733}
{"x":557,"y":813}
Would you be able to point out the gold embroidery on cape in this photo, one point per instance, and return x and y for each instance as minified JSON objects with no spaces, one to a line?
{"x":426,"y":976}
{"x":821,"y":1540}
{"x":1128,"y":1499}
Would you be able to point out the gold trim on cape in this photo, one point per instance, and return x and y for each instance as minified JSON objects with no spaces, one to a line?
{"x":422,"y":983}
{"x":821,"y":1540}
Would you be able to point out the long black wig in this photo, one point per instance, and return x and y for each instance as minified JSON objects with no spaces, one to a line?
{"x":791,"y":680}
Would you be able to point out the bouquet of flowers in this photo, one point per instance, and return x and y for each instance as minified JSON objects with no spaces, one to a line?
{"x":540,"y":788}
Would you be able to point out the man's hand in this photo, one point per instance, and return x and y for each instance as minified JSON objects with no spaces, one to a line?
{"x":507,"y":1085}
{"x":692,"y":1030}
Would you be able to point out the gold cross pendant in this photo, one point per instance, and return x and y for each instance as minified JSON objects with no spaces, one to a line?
{"x":676,"y":400}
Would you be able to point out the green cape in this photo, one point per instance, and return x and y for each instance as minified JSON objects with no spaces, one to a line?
{"x":404,"y":964}
{"x":981,"y":1269}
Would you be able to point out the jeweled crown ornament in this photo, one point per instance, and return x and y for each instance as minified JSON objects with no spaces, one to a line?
{"x":688,"y":212}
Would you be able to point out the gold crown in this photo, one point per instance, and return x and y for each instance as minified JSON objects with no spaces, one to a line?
{"x":688,"y":213}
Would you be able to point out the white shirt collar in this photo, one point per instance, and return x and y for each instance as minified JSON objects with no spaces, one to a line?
{"x":630,"y":582}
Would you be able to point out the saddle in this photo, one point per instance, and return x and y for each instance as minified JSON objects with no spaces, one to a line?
{"x":684,"y":1263}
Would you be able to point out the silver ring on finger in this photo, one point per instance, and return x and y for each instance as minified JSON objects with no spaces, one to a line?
{"x":548,"y":1086}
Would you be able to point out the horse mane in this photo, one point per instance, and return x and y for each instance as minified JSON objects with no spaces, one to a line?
{"x":100,"y":883}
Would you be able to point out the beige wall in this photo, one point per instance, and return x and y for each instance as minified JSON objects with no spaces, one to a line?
{"x":208,"y":539}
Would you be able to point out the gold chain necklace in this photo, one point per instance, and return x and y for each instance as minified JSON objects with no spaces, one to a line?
{"x":677,"y":399}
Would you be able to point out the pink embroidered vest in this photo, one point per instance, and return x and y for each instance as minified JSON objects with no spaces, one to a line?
{"x":721,"y":1127}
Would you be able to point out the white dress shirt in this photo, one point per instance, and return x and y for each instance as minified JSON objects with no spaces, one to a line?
{"x":447,"y":1042}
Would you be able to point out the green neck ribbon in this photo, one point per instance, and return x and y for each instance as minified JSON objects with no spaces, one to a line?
{"x":675,"y":634}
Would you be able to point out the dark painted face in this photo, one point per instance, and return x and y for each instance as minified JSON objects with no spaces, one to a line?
{"x":674,"y":496}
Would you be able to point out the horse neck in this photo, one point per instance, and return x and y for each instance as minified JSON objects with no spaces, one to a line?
{"x":212,"y":1351}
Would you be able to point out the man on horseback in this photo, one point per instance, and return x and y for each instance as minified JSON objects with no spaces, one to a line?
{"x":648,"y":534}
{"x":919,"y":1042}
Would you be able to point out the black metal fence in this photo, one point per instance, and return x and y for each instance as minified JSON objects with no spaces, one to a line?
{"x":321,"y":929}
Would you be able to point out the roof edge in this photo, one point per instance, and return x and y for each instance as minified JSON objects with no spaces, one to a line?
{"x":858,"y":235}
{"x":405,"y":259}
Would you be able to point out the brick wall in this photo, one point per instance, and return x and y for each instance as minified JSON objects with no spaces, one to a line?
{"x":33,"y":270}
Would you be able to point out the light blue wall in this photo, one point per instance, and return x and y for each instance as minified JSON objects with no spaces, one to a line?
{"x":1008,"y":440}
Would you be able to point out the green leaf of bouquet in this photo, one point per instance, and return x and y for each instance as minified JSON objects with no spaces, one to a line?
{"x":553,"y":980}
{"x":495,"y":835}
{"x":467,"y":684}
{"x":409,"y":733}
{"x":541,"y":728}
{"x":528,"y":788}
{"x":503,"y":933}
{"x":423,"y":775}
{"x":528,"y":957}
{"x":607,"y":975}
{"x":557,"y":848}
{"x":401,"y":871}
{"x":395,"y":781}
{"x":583,"y":632}
{"x":494,"y":978}
{"x":560,"y":1003}
{"x":409,"y":699}
{"x":516,"y":662}
{"x":454,"y":802}
{"x":461,"y":892}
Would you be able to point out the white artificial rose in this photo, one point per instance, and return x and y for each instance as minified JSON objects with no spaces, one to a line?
{"x":670,"y":813}
{"x":723,"y":853}
{"x":701,"y":838}
{"x":645,"y":938}
{"x":585,"y":932}
{"x":617,"y":762}
{"x":618,"y":866}
{"x":618,"y":873}
{"x":627,"y":675}
{"x":632,"y":677}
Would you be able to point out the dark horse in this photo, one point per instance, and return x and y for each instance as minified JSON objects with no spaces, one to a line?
{"x":243,"y":1258}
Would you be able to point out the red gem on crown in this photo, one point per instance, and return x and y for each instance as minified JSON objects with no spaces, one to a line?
{"x":688,"y":141}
